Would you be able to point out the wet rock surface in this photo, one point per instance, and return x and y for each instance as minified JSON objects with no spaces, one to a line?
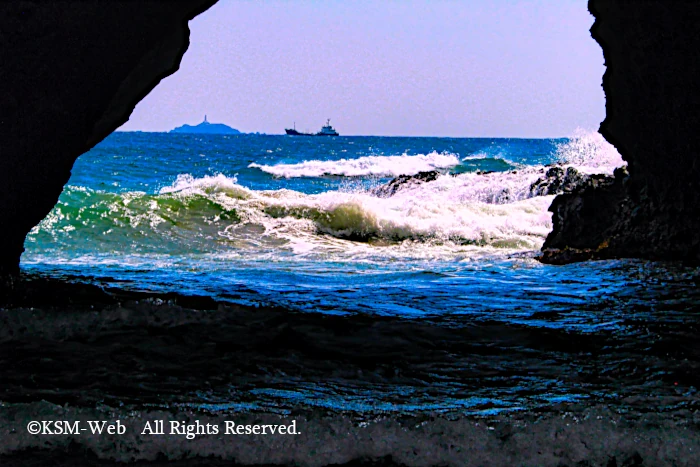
{"x":558,"y":180}
{"x":652,"y":95}
{"x":403,"y":182}
{"x":581,"y":220}
{"x":595,"y":437}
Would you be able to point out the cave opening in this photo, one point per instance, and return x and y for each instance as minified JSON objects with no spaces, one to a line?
{"x":379,"y":288}
{"x":181,"y":192}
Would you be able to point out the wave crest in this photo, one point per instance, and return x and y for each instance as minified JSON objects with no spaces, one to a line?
{"x":215,"y":213}
{"x":381,"y":166}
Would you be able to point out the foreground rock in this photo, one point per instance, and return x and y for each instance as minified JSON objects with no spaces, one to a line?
{"x":593,"y":437}
{"x":652,"y":53}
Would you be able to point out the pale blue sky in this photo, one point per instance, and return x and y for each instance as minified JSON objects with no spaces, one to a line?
{"x":387,"y":67}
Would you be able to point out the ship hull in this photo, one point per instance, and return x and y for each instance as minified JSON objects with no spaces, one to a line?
{"x":293,"y":132}
{"x":297,"y":133}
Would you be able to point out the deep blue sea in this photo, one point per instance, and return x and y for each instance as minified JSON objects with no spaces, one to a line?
{"x":291,"y":221}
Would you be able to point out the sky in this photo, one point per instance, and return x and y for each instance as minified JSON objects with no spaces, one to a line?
{"x":461,"y":68}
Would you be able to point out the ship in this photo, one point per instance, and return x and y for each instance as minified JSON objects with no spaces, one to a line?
{"x":327,"y":130}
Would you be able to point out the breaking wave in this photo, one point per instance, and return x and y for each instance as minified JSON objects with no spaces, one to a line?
{"x":201,"y":214}
{"x":216,"y":213}
{"x":382,"y":166}
{"x":589,"y":152}
{"x":467,"y":209}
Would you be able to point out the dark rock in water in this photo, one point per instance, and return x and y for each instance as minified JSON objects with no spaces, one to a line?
{"x":566,"y":256}
{"x":557,"y":180}
{"x":404,"y":181}
{"x":582,"y":220}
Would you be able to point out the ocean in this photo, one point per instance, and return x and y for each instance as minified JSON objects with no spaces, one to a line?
{"x":291,"y":221}
{"x":294,"y":222}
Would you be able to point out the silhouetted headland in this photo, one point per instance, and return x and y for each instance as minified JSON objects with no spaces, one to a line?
{"x":207,"y":127}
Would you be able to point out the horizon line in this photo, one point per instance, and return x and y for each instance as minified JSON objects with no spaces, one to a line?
{"x":257,"y":133}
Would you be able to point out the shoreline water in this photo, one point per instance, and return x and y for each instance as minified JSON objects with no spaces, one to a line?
{"x":91,"y":354}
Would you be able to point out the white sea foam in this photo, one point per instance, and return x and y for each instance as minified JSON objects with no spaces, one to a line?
{"x":482,"y":210}
{"x":478,"y":212}
{"x":208,"y":184}
{"x":386,"y":166}
{"x":590,"y":153}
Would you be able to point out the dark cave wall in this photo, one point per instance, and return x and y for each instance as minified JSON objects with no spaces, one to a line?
{"x":652,"y":53}
{"x":652,"y":89}
{"x":71,"y":72}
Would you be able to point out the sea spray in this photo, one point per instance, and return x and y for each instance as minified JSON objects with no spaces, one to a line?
{"x":589,"y":152}
{"x":469,"y":208}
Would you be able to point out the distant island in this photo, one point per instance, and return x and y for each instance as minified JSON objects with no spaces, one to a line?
{"x":207,"y":128}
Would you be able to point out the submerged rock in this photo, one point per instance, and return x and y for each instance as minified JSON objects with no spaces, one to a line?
{"x":403,"y":182}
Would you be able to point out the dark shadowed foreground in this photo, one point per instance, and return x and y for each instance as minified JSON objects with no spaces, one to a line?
{"x":429,"y":392}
